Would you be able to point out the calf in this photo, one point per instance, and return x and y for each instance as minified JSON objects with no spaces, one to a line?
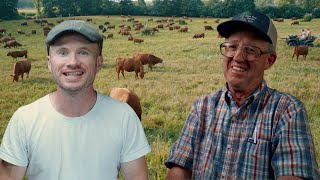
{"x":16,"y":54}
{"x":199,"y":35}
{"x":300,"y":50}
{"x":129,"y":65}
{"x":129,"y":97}
{"x":149,"y":59}
{"x":19,"y":68}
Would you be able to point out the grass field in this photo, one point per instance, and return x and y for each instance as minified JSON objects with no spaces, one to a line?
{"x":192,"y":69}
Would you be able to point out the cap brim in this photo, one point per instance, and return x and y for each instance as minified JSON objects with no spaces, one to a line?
{"x":225,"y":29}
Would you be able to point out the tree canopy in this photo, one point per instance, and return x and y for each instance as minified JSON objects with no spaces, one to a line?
{"x":192,"y":8}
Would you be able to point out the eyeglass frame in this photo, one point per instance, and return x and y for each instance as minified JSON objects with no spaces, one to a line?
{"x":240,"y":47}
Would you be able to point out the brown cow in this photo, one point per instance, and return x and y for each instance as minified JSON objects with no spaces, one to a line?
{"x":33,"y":31}
{"x":199,"y":35}
{"x":184,"y":29}
{"x":208,"y":28}
{"x":294,"y":22}
{"x":300,"y":50}
{"x":19,"y":68}
{"x":6,"y":39}
{"x":16,"y":54}
{"x":12,"y":43}
{"x":110,"y":35}
{"x":130,"y":38}
{"x":136,"y":40}
{"x":3,"y":30}
{"x":20,"y":31}
{"x":129,"y":65}
{"x":149,"y":59}
{"x":129,"y":97}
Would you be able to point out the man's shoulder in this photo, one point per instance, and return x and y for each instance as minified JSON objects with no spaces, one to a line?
{"x":283,"y":97}
{"x":39,"y":104}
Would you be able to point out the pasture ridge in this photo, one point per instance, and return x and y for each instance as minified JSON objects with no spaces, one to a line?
{"x":193,"y":68}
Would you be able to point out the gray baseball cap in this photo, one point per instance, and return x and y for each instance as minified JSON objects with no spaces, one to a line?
{"x":251,"y":20}
{"x":79,"y":26}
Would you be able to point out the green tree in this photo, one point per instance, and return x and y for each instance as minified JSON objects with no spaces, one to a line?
{"x":126,"y":7}
{"x":8,"y":8}
{"x":264,"y":2}
{"x":38,"y":4}
{"x":191,"y":7}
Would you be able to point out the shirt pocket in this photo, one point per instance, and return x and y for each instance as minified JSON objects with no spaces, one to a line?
{"x":255,"y":160}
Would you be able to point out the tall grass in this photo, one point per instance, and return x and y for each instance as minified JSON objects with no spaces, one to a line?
{"x":192,"y":69}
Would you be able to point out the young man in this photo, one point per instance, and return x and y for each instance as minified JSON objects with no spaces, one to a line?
{"x":74,"y":132}
{"x":245,"y":130}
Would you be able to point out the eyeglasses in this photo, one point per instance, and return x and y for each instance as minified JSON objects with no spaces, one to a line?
{"x":249,"y":53}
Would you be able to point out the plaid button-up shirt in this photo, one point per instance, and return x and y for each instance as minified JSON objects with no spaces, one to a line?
{"x":266,"y":137}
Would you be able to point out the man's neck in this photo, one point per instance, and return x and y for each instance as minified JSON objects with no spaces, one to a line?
{"x":74,"y":105}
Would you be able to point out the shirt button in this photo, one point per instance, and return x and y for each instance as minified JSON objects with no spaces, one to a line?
{"x":229,"y":146}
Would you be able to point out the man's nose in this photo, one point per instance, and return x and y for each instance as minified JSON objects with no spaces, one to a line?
{"x":239,"y":54}
{"x":73,"y":59}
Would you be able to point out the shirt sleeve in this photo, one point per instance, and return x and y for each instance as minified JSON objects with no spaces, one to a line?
{"x":182,"y":151}
{"x":13,"y":148}
{"x":294,"y":152}
{"x":135,"y":144}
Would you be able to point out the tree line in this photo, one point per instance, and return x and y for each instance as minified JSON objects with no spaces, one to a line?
{"x":190,"y":8}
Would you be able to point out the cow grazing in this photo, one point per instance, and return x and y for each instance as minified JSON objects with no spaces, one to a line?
{"x":3,"y":30}
{"x":33,"y":31}
{"x":15,"y":54}
{"x":295,"y":23}
{"x":12,"y":43}
{"x":199,"y":35}
{"x":24,"y":24}
{"x":129,"y":97}
{"x":208,"y":28}
{"x":20,"y":31}
{"x":300,"y":50}
{"x":149,"y":59}
{"x":6,"y":39}
{"x":110,"y":35}
{"x":129,"y":65}
{"x":184,"y":29}
{"x":19,"y":68}
{"x":138,"y":40}
{"x":130,"y":38}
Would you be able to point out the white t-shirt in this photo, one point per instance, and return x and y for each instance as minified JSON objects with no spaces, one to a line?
{"x":92,"y":146}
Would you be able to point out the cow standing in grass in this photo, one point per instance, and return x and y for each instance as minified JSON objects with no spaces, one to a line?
{"x":129,"y":97}
{"x":15,"y":54}
{"x":129,"y":65}
{"x":19,"y":68}
{"x":300,"y":50}
{"x":149,"y":59}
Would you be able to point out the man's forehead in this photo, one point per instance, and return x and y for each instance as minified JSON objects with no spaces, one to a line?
{"x":65,"y":38}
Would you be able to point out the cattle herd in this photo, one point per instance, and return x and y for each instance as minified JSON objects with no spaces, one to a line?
{"x":129,"y":64}
{"x":135,"y":63}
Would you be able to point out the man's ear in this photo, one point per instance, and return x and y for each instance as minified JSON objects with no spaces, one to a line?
{"x":49,"y":63}
{"x":99,"y":62}
{"x":270,"y":61}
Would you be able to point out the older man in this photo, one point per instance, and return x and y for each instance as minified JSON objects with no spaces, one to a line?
{"x":246,"y":130}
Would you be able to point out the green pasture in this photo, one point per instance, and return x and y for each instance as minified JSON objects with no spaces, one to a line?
{"x":193,"y":68}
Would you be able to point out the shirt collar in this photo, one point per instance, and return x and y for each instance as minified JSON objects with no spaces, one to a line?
{"x":258,"y":91}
